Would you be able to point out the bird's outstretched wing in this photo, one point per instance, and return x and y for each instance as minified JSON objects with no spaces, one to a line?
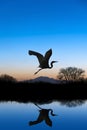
{"x":48,"y":122}
{"x":38,"y":55}
{"x":48,"y":54}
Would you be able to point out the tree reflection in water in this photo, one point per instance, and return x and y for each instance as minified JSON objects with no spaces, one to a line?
{"x":72,"y":103}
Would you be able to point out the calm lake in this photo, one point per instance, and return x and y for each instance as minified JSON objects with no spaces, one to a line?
{"x":69,"y":116}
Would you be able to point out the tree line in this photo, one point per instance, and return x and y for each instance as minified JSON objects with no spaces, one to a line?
{"x":65,"y":74}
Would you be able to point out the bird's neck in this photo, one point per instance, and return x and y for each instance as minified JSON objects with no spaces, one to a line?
{"x":51,"y":65}
{"x":51,"y":112}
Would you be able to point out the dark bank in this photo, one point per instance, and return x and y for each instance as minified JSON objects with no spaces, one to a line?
{"x":42,"y":92}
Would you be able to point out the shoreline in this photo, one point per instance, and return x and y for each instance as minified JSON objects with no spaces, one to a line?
{"x":42,"y":92}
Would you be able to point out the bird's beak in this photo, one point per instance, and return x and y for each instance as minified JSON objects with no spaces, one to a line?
{"x":55,"y":115}
{"x":55,"y":61}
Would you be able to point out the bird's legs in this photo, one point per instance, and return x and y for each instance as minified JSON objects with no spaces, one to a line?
{"x":37,"y":71}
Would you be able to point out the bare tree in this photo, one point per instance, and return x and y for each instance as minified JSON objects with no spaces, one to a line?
{"x":71,"y":73}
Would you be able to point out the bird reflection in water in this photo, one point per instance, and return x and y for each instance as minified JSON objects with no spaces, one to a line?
{"x":43,"y":116}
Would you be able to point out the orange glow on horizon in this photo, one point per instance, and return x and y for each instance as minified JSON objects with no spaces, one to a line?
{"x":30,"y":74}
{"x":26,"y":74}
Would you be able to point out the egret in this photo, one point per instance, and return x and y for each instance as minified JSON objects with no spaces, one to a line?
{"x":43,"y":60}
{"x":43,"y":116}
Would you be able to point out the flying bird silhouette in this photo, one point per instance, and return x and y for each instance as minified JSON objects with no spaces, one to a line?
{"x":43,"y":60}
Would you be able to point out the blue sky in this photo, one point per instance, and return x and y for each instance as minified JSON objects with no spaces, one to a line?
{"x":40,"y":25}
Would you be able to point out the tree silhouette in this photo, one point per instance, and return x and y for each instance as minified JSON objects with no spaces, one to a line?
{"x":7,"y":78}
{"x":71,"y":74}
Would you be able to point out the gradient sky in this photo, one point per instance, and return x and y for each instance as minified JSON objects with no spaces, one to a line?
{"x":40,"y":25}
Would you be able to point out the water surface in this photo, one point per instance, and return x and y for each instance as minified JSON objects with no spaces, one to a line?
{"x":16,"y":116}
